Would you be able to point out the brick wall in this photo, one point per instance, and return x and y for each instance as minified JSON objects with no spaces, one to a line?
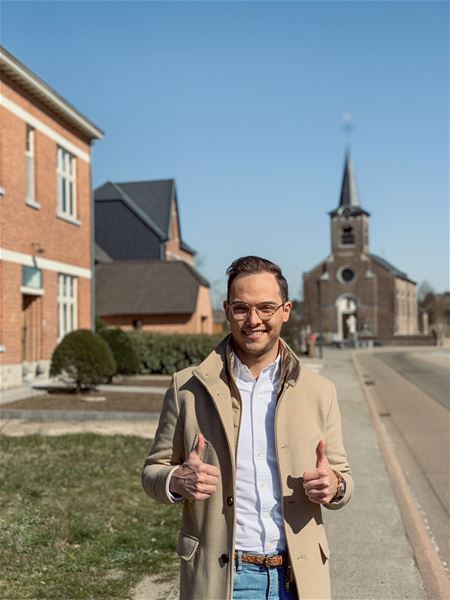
{"x":372,"y":287}
{"x":12,"y":319}
{"x":172,"y":247}
{"x":38,"y":231}
{"x":360,"y":230}
{"x":22,"y":225}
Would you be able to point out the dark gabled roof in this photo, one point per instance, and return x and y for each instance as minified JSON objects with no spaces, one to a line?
{"x":107,"y":191}
{"x":387,"y":265}
{"x":349,"y":198}
{"x":151,"y":201}
{"x":100,"y":255}
{"x":154,"y":198}
{"x":146,"y":287}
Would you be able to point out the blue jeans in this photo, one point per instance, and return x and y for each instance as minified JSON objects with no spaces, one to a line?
{"x":257,"y":582}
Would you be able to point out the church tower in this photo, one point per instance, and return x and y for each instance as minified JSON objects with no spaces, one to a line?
{"x":349,"y":222}
{"x":352,"y":292}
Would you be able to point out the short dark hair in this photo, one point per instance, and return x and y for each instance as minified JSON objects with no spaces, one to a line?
{"x":254,"y":264}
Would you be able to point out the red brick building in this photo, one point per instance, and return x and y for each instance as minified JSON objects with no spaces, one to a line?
{"x":354,"y":291}
{"x":46,"y":220}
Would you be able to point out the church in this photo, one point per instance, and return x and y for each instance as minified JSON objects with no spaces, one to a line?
{"x":353,"y":293}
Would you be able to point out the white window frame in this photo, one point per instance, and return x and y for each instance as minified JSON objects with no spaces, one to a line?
{"x":66,"y":169}
{"x":30,"y":172}
{"x":67,"y":304}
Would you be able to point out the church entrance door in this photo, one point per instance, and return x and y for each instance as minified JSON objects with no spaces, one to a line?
{"x":346,"y":307}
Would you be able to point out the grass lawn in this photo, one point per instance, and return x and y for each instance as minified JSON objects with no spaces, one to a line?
{"x":75,"y":521}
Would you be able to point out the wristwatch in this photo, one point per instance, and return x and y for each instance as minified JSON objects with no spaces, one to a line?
{"x":340,"y":488}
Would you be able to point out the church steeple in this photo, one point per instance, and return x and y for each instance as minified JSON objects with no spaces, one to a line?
{"x":349,"y":198}
{"x":349,"y":222}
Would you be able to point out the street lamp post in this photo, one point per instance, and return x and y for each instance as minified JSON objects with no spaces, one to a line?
{"x":323,"y":277}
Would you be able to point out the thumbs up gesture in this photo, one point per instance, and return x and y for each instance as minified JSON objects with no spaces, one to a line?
{"x":321,"y":483}
{"x":195,"y":479}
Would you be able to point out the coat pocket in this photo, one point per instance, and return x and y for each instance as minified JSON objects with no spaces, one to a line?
{"x":186,"y":546}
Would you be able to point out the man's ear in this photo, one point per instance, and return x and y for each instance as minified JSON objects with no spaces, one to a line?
{"x":226,"y":308}
{"x":286,"y":311}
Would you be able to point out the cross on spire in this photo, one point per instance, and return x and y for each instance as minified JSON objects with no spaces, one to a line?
{"x":347,"y":127}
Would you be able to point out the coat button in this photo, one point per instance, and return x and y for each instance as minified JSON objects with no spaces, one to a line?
{"x":225,"y":558}
{"x":230,"y":501}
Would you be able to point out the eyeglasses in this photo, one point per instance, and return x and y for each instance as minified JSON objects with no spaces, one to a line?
{"x":241,"y":311}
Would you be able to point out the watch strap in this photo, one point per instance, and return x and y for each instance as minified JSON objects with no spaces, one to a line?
{"x":341,"y":485}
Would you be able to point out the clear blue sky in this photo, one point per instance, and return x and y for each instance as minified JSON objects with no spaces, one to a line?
{"x":242,"y":103}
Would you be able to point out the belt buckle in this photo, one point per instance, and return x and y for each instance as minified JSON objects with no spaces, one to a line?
{"x":271,"y":561}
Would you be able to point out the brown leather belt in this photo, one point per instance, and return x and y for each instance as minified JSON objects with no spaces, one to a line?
{"x":276,"y":560}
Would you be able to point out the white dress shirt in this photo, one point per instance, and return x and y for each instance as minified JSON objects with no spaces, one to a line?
{"x":259,"y":519}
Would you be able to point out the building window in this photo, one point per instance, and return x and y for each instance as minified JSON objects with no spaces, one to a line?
{"x":345,"y":275}
{"x":31,"y":278}
{"x":67,"y":304}
{"x":67,"y":199}
{"x":29,"y":162}
{"x":348,"y":236}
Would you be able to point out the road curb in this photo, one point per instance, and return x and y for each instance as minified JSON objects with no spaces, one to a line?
{"x":435,"y":579}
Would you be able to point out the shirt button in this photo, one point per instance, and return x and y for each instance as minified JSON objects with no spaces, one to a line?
{"x":230,"y":501}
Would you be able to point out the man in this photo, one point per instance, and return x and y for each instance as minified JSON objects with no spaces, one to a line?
{"x":251,"y":443}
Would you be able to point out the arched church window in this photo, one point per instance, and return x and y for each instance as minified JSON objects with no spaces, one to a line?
{"x":347,"y":236}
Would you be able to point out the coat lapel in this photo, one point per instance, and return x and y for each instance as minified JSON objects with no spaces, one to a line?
{"x":212,"y":373}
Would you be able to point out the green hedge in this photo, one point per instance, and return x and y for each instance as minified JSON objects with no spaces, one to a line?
{"x":166,"y":354}
{"x":124,"y":352}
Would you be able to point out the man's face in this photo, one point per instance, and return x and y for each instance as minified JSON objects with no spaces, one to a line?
{"x":254,"y":336}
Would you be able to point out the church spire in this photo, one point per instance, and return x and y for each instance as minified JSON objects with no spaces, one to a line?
{"x":349,"y":193}
{"x":349,"y":198}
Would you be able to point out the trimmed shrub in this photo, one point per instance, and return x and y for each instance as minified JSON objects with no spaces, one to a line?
{"x":165,"y":354}
{"x":124,"y":352}
{"x":100,"y":325}
{"x":84,"y":357}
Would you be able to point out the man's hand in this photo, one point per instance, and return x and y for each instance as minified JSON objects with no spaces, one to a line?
{"x":195,"y":479}
{"x":321,"y":483}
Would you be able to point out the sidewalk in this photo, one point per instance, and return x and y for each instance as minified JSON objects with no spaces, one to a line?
{"x":370,"y":555}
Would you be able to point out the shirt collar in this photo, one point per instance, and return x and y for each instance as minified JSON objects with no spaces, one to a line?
{"x":241,"y":371}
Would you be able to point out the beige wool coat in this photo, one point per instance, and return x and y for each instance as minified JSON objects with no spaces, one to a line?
{"x":204,"y":399}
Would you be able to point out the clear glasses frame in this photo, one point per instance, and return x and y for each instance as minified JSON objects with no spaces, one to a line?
{"x":264,"y":315}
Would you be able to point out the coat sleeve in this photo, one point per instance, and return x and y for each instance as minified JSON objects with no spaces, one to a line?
{"x":167,"y":450}
{"x":335,"y":451}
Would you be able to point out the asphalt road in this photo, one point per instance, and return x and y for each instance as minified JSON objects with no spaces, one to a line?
{"x":428,"y":370}
{"x":411,"y":390}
